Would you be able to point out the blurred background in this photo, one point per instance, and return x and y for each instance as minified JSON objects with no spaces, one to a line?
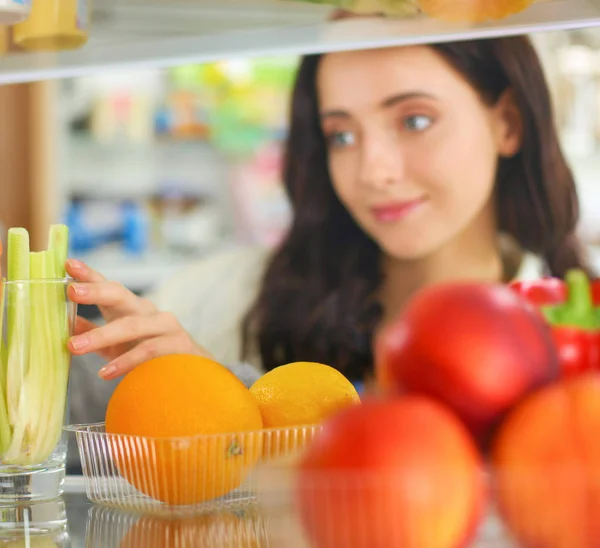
{"x":153,"y":169}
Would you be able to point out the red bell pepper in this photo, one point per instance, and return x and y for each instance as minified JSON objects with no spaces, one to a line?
{"x":543,"y":292}
{"x":571,"y":308}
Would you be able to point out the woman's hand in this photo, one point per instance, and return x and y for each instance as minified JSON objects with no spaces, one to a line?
{"x":135,"y":330}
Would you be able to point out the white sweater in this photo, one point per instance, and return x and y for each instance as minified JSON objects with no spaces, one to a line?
{"x":211,"y":297}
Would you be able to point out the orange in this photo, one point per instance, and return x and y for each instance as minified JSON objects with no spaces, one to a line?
{"x":297,"y":395}
{"x":546,"y":462}
{"x":223,"y":529}
{"x":192,"y":429}
{"x":475,"y":11}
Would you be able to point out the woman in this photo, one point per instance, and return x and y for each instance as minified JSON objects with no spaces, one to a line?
{"x":405,"y":167}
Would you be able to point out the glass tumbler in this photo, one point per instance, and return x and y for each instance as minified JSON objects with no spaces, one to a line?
{"x":37,"y":320}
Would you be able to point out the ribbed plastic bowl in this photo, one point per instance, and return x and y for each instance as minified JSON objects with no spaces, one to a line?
{"x":179,"y":476}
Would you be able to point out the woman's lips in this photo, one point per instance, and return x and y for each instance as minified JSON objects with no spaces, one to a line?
{"x":396,"y":211}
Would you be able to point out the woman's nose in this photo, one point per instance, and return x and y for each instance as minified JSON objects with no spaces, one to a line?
{"x":381,"y":163}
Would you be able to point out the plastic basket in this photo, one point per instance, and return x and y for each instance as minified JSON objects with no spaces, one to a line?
{"x":110,"y":528}
{"x":179,"y":475}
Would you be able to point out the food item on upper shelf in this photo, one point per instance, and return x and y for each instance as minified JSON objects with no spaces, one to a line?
{"x":299,"y":394}
{"x":460,"y":11}
{"x":571,"y":308}
{"x":475,"y":11}
{"x":54,"y":25}
{"x":546,"y":459}
{"x":402,"y":8}
{"x":386,"y":474}
{"x":478,"y":348}
{"x":198,"y":427}
{"x":34,"y":360}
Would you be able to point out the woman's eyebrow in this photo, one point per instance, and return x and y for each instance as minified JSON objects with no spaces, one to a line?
{"x":386,"y":103}
{"x":395,"y":99}
{"x":335,"y":113}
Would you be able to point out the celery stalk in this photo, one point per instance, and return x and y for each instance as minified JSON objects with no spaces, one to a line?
{"x":38,"y":358}
{"x":18,"y":254}
{"x":5,"y":429}
{"x":58,"y":246}
{"x":58,"y":242}
{"x":42,"y":377}
{"x":31,"y":402}
{"x":17,"y":334}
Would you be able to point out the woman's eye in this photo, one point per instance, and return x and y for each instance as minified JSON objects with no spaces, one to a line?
{"x":341,"y":139}
{"x":419,"y":122}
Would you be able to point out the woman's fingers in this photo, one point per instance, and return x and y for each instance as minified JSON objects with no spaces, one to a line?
{"x":110,"y":297}
{"x":129,"y":329}
{"x":83,"y":326}
{"x":82,"y":272}
{"x":174,"y":343}
{"x":130,"y":319}
{"x":113,"y":299}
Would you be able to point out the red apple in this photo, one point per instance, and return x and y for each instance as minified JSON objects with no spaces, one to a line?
{"x":389,"y":474}
{"x":478,"y":348}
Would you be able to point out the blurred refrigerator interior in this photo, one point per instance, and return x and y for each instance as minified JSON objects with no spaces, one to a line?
{"x":157,"y":168}
{"x":572,"y":64}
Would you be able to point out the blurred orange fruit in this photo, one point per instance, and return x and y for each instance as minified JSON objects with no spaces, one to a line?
{"x":224,"y":529}
{"x":294,"y":397}
{"x":546,"y":462}
{"x":191,"y":429}
{"x":475,"y":11}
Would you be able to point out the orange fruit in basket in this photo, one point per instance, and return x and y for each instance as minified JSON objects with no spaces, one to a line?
{"x":388,"y":474}
{"x":299,"y":395}
{"x":302,"y":393}
{"x":191,"y":429}
{"x":223,"y":529}
{"x":473,"y":11}
{"x":546,"y":460}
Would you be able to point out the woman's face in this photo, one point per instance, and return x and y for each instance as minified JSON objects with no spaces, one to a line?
{"x":413,"y":150}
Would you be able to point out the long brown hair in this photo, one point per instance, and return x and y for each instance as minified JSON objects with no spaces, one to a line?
{"x":316,"y":301}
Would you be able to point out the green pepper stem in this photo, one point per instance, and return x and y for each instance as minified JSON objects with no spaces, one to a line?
{"x":579,"y":297}
{"x":579,"y":309}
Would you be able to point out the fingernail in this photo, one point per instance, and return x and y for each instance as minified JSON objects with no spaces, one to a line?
{"x":79,"y":342}
{"x":74,"y":263}
{"x":107,"y":371}
{"x":80,"y":289}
